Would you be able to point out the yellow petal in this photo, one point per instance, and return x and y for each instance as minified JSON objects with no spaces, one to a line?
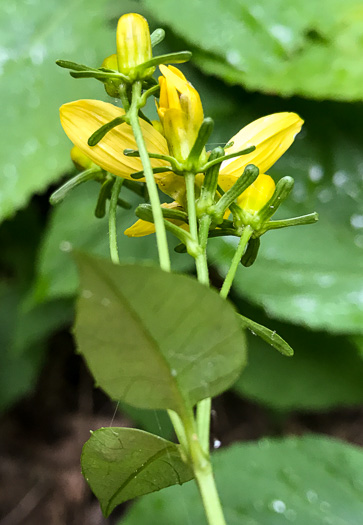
{"x":257,"y":195}
{"x":83,"y":117}
{"x":272,"y":135}
{"x":141,"y":228}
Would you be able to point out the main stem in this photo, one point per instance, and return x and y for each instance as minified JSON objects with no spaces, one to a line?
{"x":161,"y":239}
{"x":203,"y":473}
{"x":245,"y":237}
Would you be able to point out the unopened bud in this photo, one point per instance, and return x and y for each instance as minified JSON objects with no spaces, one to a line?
{"x":111,"y":86}
{"x":133,"y":43}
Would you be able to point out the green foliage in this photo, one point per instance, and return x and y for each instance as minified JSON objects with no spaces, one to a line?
{"x":310,"y":275}
{"x":301,"y":48}
{"x":35,"y":151}
{"x":154,"y":339}
{"x":23,"y":334}
{"x":74,"y":227}
{"x":310,"y":480}
{"x":124,"y":463}
{"x":325,"y":372}
{"x":24,"y":326}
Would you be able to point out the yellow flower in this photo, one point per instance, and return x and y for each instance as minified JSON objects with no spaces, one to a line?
{"x":133,"y":43}
{"x":257,"y":195}
{"x":180,"y":111}
{"x":271,"y":135}
{"x":83,"y":117}
{"x":141,"y":228}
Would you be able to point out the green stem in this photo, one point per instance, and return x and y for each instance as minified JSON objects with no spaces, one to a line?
{"x":112,"y":220}
{"x":161,"y":239}
{"x":200,"y":259}
{"x":203,"y":422}
{"x":203,"y":473}
{"x":245,"y":237}
{"x":204,"y":406}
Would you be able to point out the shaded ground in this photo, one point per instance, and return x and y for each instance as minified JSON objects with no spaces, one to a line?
{"x":42,"y":437}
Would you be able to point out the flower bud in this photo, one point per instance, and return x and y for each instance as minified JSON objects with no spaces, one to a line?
{"x":133,"y":43}
{"x":257,"y":195}
{"x":110,"y":86}
{"x":180,"y":112}
{"x":80,"y":160}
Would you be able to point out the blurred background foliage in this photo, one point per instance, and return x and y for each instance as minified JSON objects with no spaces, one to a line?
{"x":248,"y":60}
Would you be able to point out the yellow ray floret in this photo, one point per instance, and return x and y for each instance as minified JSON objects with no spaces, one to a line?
{"x":271,"y":135}
{"x":141,"y":228}
{"x":80,"y":119}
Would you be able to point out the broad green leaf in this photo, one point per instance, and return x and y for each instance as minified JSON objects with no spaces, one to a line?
{"x":325,"y":372}
{"x":309,"y":480}
{"x":34,"y":150}
{"x":300,"y":48}
{"x":74,"y":226}
{"x":155,"y":339}
{"x":123,"y":463}
{"x":267,"y":335}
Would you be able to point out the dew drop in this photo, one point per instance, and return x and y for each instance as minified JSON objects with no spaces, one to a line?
{"x":87,"y":294}
{"x":325,"y":195}
{"x":324,"y":506}
{"x":290,"y":515}
{"x":340,"y":178}
{"x":233,"y":57}
{"x":217,"y":443}
{"x":358,"y":241}
{"x":356,"y":221}
{"x":316,"y":173}
{"x":311,"y":496}
{"x":278,"y":506}
{"x":65,"y":246}
{"x":105,"y":302}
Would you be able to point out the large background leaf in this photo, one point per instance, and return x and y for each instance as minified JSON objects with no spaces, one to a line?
{"x":296,"y":480}
{"x":277,"y":47}
{"x":34,"y":152}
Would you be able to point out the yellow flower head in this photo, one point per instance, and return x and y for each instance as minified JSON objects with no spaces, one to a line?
{"x":133,"y":43}
{"x":180,"y":111}
{"x":257,"y":195}
{"x":271,"y":135}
